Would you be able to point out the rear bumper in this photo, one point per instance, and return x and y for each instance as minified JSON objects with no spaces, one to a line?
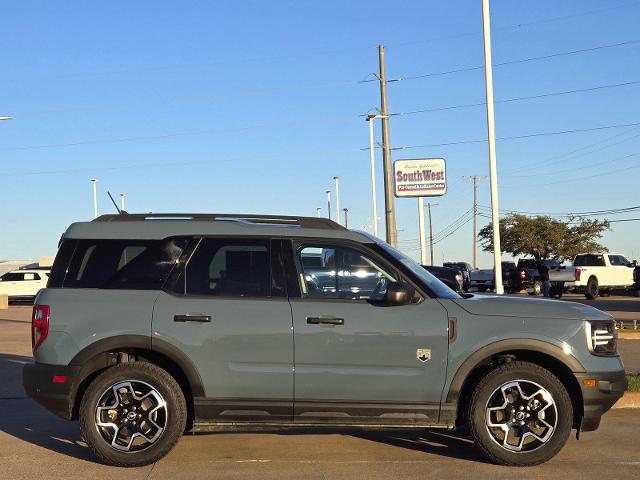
{"x":610,"y":386}
{"x":37,"y":380}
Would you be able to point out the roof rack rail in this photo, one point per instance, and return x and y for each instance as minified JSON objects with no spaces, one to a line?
{"x":302,"y":222}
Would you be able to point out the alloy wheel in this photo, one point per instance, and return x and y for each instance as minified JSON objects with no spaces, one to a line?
{"x":131,"y":415}
{"x":521,"y":416}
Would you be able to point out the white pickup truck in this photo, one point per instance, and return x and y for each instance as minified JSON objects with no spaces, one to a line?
{"x":600,"y":273}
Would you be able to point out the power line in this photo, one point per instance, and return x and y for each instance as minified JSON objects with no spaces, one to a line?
{"x":510,"y":62}
{"x":519,"y":137}
{"x":516,"y":25}
{"x":519,"y":99}
{"x":611,"y":211}
{"x":572,"y":153}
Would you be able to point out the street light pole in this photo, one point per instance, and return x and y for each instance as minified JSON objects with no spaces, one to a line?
{"x":328,"y":192}
{"x":122,"y":197}
{"x":346,"y":217}
{"x":491,"y":131}
{"x":318,"y":210}
{"x":337,"y":181}
{"x":372,"y":159}
{"x":95,"y":197}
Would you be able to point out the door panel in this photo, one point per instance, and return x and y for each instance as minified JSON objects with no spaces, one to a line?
{"x":244,"y":351}
{"x":373,"y":355}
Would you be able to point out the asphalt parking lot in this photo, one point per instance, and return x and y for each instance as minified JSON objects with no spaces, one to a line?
{"x":36,"y":444}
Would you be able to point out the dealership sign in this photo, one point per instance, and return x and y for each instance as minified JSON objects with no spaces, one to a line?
{"x":420,"y":177}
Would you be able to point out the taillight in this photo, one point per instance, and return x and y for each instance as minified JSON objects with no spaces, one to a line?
{"x":578,"y":272}
{"x":523,"y":274}
{"x":39,"y":325}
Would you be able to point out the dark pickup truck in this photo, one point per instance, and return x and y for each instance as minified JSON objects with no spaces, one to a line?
{"x":526,"y":277}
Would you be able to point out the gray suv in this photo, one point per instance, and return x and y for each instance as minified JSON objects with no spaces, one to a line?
{"x":154,"y":325}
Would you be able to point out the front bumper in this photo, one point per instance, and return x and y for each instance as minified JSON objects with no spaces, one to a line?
{"x":597,"y":400}
{"x":37,"y":380}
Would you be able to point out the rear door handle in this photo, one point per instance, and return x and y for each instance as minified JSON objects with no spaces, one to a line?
{"x":197,"y":317}
{"x":325,"y":321}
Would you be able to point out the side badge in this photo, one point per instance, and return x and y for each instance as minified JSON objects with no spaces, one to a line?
{"x":424,"y":354}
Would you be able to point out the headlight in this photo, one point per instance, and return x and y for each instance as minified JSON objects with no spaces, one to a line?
{"x":602,"y":337}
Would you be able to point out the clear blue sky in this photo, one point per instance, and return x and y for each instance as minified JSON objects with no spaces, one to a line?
{"x":253,"y":106}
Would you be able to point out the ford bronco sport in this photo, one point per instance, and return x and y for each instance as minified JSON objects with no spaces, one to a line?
{"x":154,"y":325}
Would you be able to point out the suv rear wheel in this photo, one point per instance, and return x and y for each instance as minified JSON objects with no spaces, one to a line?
{"x":132,"y":414}
{"x":520,"y":414}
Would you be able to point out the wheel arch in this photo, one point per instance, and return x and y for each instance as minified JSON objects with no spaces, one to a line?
{"x":534,"y":351}
{"x":105,"y":353}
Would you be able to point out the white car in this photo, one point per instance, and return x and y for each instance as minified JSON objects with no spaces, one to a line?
{"x":599,"y":273}
{"x":23,"y":284}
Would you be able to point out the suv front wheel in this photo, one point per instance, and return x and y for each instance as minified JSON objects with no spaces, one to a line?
{"x":132,"y":414}
{"x":520,"y":414}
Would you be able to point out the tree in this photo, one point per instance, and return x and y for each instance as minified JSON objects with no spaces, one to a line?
{"x":545,"y":237}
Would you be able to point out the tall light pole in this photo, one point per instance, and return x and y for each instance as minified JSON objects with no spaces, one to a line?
{"x":491,"y":132}
{"x":328,"y":192}
{"x":372,"y":159}
{"x":122,"y":197}
{"x":346,"y":217}
{"x":337,"y":182}
{"x":95,"y":197}
{"x":318,"y":211}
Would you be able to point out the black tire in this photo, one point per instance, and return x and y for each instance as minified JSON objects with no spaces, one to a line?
{"x":536,"y":289}
{"x":172,"y":417}
{"x":482,"y":289}
{"x":560,"y":413}
{"x":592,"y":289}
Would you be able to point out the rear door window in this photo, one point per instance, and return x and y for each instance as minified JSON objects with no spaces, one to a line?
{"x":229,"y":267}
{"x":589,"y":260}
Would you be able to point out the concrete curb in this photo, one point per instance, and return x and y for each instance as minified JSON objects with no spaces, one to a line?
{"x":629,"y":400}
{"x":629,"y":335}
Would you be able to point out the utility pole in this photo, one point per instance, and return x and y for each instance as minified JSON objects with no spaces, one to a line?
{"x":346,"y":217}
{"x":95,"y":197}
{"x":491,"y":133}
{"x":122,"y":197}
{"x":390,"y":214}
{"x":337,"y":181}
{"x":429,"y":205}
{"x":475,"y":179}
{"x":328,"y":192}
{"x":423,"y":242}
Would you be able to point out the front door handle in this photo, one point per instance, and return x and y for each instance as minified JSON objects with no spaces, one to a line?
{"x":325,"y":321}
{"x":196,"y":317}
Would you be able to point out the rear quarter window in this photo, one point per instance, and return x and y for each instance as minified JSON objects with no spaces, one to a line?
{"x":116,"y":264}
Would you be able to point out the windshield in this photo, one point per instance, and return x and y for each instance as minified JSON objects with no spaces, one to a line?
{"x":439,"y":289}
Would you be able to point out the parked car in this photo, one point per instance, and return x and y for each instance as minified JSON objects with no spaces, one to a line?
{"x":526,"y":277}
{"x":484,"y":279}
{"x":151,"y":326}
{"x":466,"y":270}
{"x":600,"y":273}
{"x":451,"y":277}
{"x":23,"y":285}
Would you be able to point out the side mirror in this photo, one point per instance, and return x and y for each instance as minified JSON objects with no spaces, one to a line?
{"x":399,"y":293}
